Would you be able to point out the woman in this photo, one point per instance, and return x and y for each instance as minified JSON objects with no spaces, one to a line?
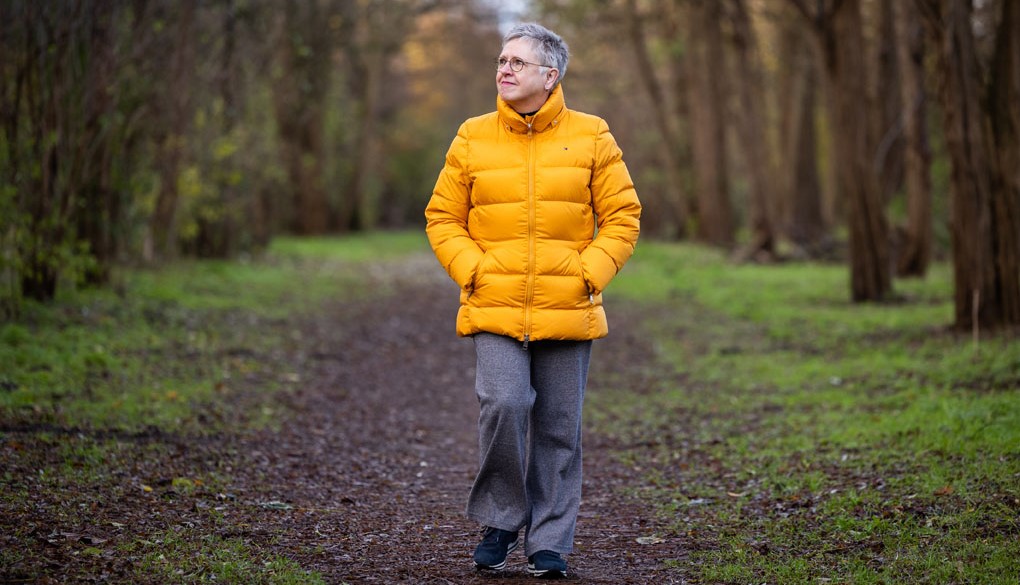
{"x":513,"y":221}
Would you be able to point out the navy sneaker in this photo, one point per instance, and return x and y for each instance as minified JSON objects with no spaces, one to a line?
{"x":547,"y":564}
{"x":491,"y":553}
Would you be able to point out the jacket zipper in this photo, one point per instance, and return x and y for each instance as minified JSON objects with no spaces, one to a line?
{"x":530,"y":291}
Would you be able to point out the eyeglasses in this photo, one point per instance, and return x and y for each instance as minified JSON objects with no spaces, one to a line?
{"x":516,"y":64}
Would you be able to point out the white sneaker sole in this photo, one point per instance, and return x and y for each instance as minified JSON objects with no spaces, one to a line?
{"x":546,"y":573}
{"x":500,"y":566}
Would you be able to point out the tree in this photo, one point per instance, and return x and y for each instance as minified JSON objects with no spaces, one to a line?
{"x":416,"y":138}
{"x":838,"y":28}
{"x":1003,"y":100}
{"x":915,"y":247}
{"x":97,"y":219}
{"x":58,"y":156}
{"x":172,"y":109}
{"x":665,"y":124}
{"x":226,"y":218}
{"x":371,"y":34}
{"x":799,"y":184}
{"x":715,"y":223}
{"x":982,"y":127}
{"x":143,"y":130}
{"x":753,"y":134}
{"x":304,"y":45}
{"x":886,"y":100}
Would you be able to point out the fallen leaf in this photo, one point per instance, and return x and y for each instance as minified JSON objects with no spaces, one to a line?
{"x":944,"y":490}
{"x":650,"y":540}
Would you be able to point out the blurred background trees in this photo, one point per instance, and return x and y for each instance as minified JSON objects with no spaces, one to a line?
{"x":880,"y":134}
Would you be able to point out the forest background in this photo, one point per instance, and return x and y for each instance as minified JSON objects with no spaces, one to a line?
{"x":879,"y":134}
{"x":250,"y":419}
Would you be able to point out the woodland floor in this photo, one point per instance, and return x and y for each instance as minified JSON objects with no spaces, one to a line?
{"x":362,"y":478}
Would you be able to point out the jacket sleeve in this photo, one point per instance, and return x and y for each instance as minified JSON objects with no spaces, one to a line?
{"x":618,"y":211}
{"x":447,"y":216}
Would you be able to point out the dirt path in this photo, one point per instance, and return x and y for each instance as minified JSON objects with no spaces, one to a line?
{"x":379,"y":460}
{"x":366,"y":476}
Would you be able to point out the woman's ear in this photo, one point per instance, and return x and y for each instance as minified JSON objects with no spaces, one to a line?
{"x":550,"y":78}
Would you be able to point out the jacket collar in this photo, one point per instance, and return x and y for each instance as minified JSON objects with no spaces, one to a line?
{"x":547,"y":117}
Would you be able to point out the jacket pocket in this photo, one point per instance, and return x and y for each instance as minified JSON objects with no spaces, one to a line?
{"x":582,"y":276}
{"x":478,"y":275}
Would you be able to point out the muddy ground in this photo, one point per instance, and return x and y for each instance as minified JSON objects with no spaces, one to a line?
{"x":362,"y":478}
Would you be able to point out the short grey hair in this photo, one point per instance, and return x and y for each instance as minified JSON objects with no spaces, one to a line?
{"x":550,"y":48}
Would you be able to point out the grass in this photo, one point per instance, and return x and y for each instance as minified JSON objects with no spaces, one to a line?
{"x":91,"y":384}
{"x":782,"y":433}
{"x":168,"y":340}
{"x":175,"y":558}
{"x":832,"y":442}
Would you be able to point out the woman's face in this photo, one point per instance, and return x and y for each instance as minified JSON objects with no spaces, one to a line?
{"x":525,"y":90}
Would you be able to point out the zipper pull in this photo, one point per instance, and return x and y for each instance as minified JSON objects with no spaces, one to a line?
{"x":525,"y":346}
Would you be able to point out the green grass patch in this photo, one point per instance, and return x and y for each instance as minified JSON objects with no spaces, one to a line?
{"x":168,"y":347}
{"x":791,"y":436}
{"x":185,"y":557}
{"x":99,"y":386}
{"x":363,"y":247}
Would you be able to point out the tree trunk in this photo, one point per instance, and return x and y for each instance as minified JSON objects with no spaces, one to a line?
{"x":219,"y":236}
{"x":366,"y":82}
{"x":869,"y":239}
{"x":371,"y":34}
{"x":753,"y":137}
{"x":799,"y":184}
{"x":840,"y":34}
{"x":708,"y":129}
{"x":96,"y":217}
{"x":45,"y":196}
{"x":679,"y":68}
{"x":1004,"y":105}
{"x":299,"y":99}
{"x":176,"y":115}
{"x":915,"y":248}
{"x":665,"y":125}
{"x":886,"y":100}
{"x":983,"y":210}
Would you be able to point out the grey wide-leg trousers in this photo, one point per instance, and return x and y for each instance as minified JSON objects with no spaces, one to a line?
{"x":529,"y":435}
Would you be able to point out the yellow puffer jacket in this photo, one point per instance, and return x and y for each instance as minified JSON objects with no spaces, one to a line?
{"x":513,"y":220}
